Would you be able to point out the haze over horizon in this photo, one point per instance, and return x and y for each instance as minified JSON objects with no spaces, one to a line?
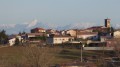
{"x":59,"y":12}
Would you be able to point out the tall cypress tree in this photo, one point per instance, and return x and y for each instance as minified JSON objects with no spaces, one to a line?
{"x":112,"y":31}
{"x":17,"y":42}
{"x":3,"y":37}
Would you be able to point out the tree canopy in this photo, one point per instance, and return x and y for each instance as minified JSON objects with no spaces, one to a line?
{"x":3,"y":37}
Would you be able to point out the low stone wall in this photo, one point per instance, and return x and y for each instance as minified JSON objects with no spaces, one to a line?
{"x":98,"y":48}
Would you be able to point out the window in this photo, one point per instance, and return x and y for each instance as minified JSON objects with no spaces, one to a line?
{"x":55,"y":39}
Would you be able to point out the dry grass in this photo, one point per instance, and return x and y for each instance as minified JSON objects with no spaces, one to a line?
{"x":39,"y":57}
{"x":29,"y":56}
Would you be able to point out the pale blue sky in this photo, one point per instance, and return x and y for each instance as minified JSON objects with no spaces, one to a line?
{"x":59,"y":12}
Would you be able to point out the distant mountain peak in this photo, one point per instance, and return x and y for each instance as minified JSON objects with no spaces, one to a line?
{"x":5,"y":26}
{"x":32,"y":23}
{"x":76,"y":26}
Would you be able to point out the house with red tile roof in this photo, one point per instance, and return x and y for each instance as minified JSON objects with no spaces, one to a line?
{"x":71,"y":32}
{"x":38,"y":30}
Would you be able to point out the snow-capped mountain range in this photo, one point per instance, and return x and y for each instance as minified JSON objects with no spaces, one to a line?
{"x":16,"y":28}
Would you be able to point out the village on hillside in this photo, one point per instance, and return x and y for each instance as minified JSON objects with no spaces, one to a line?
{"x":97,"y":38}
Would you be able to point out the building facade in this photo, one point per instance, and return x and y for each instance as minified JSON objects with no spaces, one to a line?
{"x":38,"y":30}
{"x":86,"y":35}
{"x":71,"y":32}
{"x":59,"y":39}
{"x":107,"y":23}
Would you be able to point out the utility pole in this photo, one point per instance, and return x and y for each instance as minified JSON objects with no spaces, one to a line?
{"x":81,"y":51}
{"x":81,"y":54}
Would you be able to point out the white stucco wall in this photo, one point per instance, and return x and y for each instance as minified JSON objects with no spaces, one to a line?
{"x":60,"y":40}
{"x":12,"y":41}
{"x":117,"y":34}
{"x":71,"y":32}
{"x":85,"y":36}
{"x":57,"y":40}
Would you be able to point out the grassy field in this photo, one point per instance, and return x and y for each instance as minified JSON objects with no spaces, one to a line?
{"x":14,"y":56}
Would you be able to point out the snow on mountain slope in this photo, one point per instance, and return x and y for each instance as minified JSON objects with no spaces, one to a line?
{"x":31,"y":24}
{"x":76,"y":26}
{"x":4,"y":26}
{"x":16,"y":28}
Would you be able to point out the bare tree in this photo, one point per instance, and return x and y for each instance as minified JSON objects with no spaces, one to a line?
{"x":117,"y":47}
{"x":38,"y":57}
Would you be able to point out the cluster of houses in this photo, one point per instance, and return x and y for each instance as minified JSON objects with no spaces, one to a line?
{"x":93,"y":36}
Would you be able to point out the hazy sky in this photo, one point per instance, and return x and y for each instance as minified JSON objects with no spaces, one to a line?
{"x":59,"y":12}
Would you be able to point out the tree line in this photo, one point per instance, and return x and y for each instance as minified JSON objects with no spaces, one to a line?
{"x":3,"y":37}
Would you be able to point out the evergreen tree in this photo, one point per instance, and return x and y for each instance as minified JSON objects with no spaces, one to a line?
{"x":23,"y":32}
{"x":3,"y":37}
{"x":99,"y":35}
{"x":112,"y":31}
{"x":20,"y":33}
{"x":17,"y":42}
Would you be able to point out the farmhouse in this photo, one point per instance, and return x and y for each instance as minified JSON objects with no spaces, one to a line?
{"x":58,"y":39}
{"x":38,"y":30}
